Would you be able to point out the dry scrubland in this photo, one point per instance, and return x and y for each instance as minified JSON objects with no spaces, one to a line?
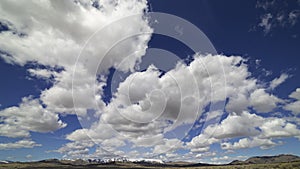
{"x":293,"y":165}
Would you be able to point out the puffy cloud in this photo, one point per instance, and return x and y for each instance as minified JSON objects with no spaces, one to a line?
{"x":19,"y":144}
{"x":75,"y":149}
{"x":147,"y":140}
{"x":263,"y":102}
{"x":13,"y":131}
{"x":57,"y":37}
{"x":274,"y":128}
{"x":30,"y":115}
{"x":78,"y":135}
{"x":236,"y":126}
{"x":97,"y":133}
{"x":42,"y":73}
{"x":201,"y":143}
{"x":48,"y":42}
{"x":112,"y":143}
{"x":233,"y":126}
{"x":251,"y":130}
{"x":46,"y":39}
{"x":167,"y":146}
{"x":294,"y":106}
{"x":146,"y":106}
{"x":213,"y":115}
{"x":295,"y":94}
{"x":248,"y":143}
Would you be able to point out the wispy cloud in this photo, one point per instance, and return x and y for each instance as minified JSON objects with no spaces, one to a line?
{"x":277,"y":14}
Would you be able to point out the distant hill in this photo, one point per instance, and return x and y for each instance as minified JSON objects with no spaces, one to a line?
{"x":52,"y":160}
{"x":261,"y":162}
{"x":282,"y":158}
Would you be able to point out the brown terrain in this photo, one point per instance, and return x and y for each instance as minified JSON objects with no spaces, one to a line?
{"x":269,"y":162}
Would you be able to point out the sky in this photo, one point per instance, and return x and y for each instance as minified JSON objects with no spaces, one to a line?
{"x":203,"y":81}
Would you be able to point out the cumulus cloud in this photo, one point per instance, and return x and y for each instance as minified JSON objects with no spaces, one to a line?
{"x":30,"y":115}
{"x":248,"y":143}
{"x":42,"y":73}
{"x":146,"y":107}
{"x":274,"y":128}
{"x":295,"y":94}
{"x":168,"y":145}
{"x":46,"y":39}
{"x":233,"y":126}
{"x":294,"y":106}
{"x":75,"y":149}
{"x":251,"y":131}
{"x":19,"y":144}
{"x":263,"y":102}
{"x":51,"y":45}
{"x":148,"y":104}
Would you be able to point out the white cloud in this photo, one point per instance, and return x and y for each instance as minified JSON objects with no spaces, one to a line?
{"x":266,"y":22}
{"x":146,"y":105}
{"x":214,"y":114}
{"x":236,"y":126}
{"x":13,"y":131}
{"x":201,"y":143}
{"x":42,"y":73}
{"x":265,"y":4}
{"x":295,"y":94}
{"x":19,"y":144}
{"x":28,"y":156}
{"x":112,"y":143}
{"x":79,"y":135}
{"x":294,"y":106}
{"x":146,"y":102}
{"x":277,"y":81}
{"x":264,"y":102}
{"x":249,"y":143}
{"x":52,"y":42}
{"x":251,"y":130}
{"x":75,"y":149}
{"x":272,"y":17}
{"x":293,"y":17}
{"x":168,"y":146}
{"x":30,"y":115}
{"x":224,"y":158}
{"x":146,"y":140}
{"x":97,"y":133}
{"x":274,"y":128}
{"x":49,"y":37}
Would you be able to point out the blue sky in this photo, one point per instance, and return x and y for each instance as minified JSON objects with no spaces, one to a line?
{"x":73,"y":88}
